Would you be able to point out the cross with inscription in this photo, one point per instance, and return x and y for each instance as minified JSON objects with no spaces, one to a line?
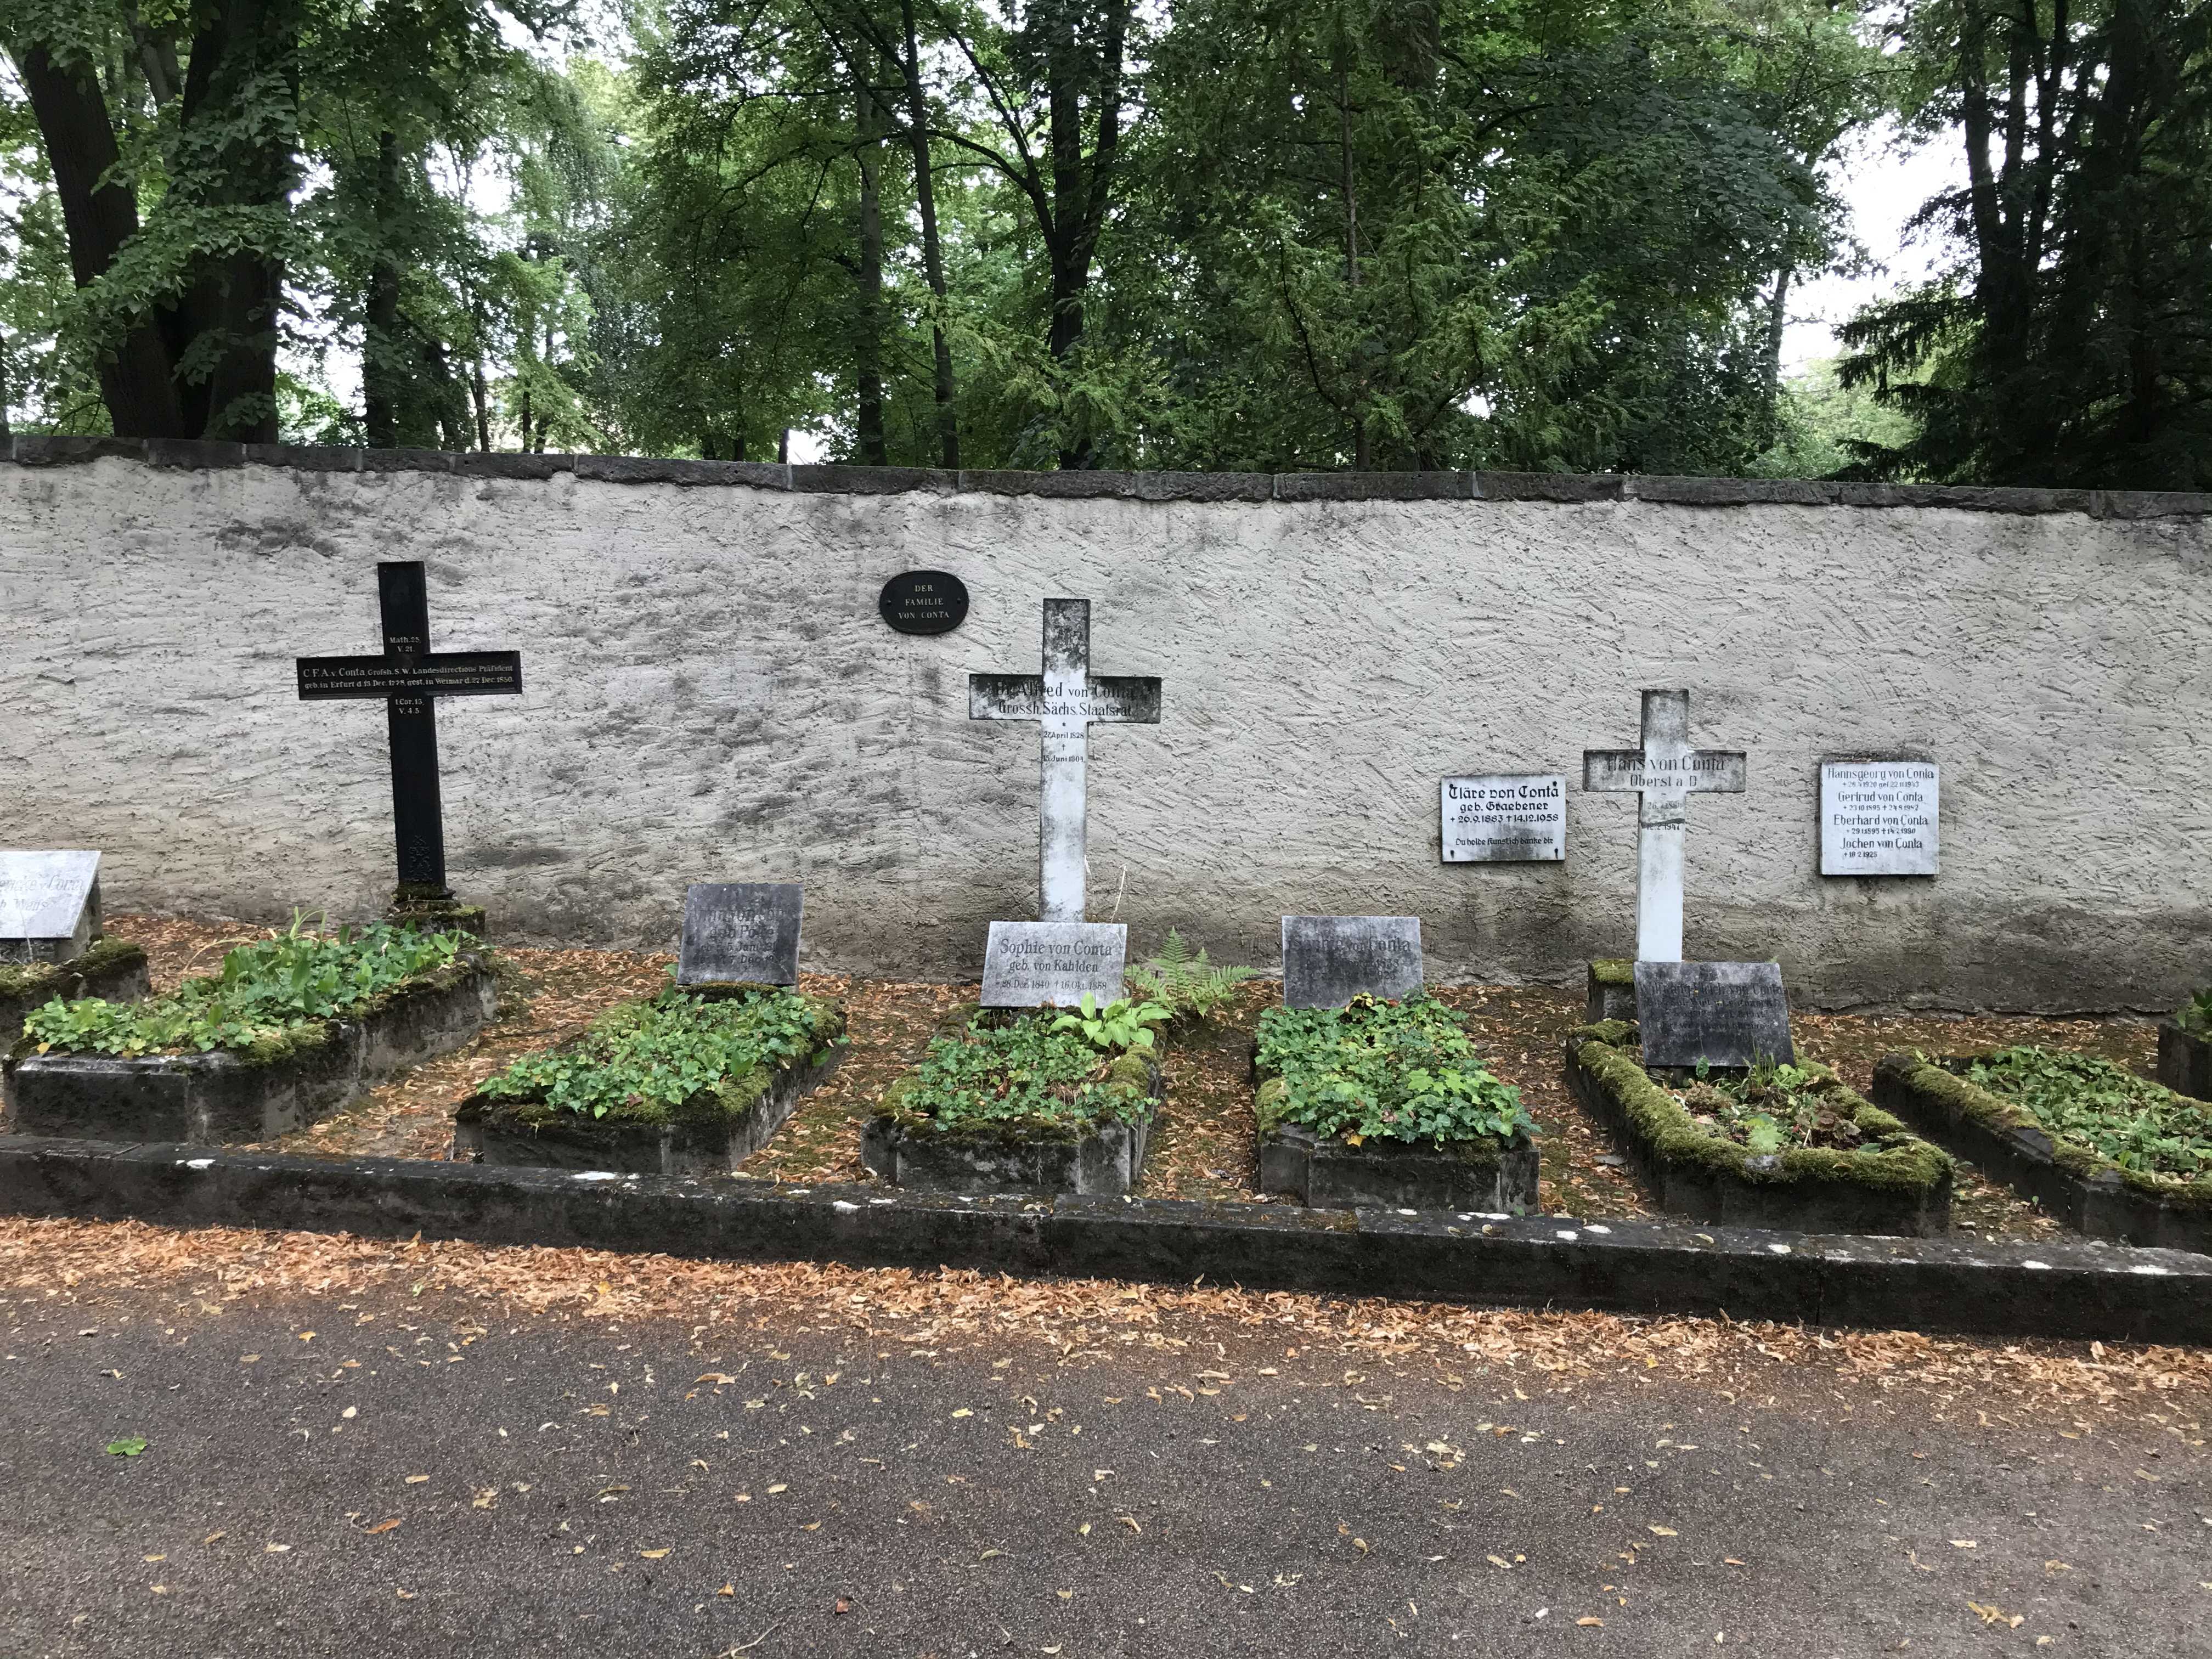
{"x":407,"y":676}
{"x":1066,"y":700}
{"x":1666,"y":771}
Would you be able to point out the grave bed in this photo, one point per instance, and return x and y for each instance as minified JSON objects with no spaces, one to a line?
{"x":1902,"y":1189}
{"x":2072,"y":1183}
{"x":710,"y":1133}
{"x":259,"y":1093}
{"x":113,"y":969}
{"x":906,"y":1146}
{"x":2185,"y":1060}
{"x":1496,"y":1177}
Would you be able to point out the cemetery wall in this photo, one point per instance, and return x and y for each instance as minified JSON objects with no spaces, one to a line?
{"x":710,"y":694}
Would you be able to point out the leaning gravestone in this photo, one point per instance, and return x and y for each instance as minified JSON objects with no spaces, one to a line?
{"x":1329,"y":960}
{"x":1721,"y":1013}
{"x":49,"y":905}
{"x":1039,"y":964}
{"x":740,"y":932}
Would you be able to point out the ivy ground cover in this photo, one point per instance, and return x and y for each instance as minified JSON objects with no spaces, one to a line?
{"x":266,"y":997}
{"x":2122,"y":1120}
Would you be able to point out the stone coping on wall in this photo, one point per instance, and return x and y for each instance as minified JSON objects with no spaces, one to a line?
{"x":2039,"y":1288}
{"x":1245,"y":486}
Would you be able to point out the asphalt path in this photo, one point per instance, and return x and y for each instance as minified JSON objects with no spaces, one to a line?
{"x":386,"y":1478}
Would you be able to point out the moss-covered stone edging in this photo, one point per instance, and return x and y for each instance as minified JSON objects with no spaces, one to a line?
{"x":255,"y":1094}
{"x":112,"y":969}
{"x":2073,"y":1184}
{"x":1483,"y":1174}
{"x":909,"y":1148}
{"x":2045,"y":1288}
{"x":1903,"y":1188}
{"x":711,"y":1134}
{"x":2185,"y":1060}
{"x":1612,"y":990}
{"x":1571,"y":488}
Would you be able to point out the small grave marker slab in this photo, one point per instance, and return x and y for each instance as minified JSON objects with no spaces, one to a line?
{"x":1505,"y":817}
{"x":1329,"y":960}
{"x":1040,"y":965}
{"x":1879,"y":817}
{"x":923,"y":602}
{"x":49,"y":905}
{"x":740,"y":932}
{"x":1724,"y":1013}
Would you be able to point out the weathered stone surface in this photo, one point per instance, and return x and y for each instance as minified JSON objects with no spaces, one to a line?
{"x":1036,"y":964}
{"x":1106,"y":1161}
{"x":226,"y":1097}
{"x":1719,"y":1013}
{"x":1395,"y":1175}
{"x":1610,"y":993}
{"x":719,"y":695}
{"x":490,"y":1131}
{"x":1329,"y":960}
{"x":49,"y":905}
{"x":2185,"y":1060}
{"x":740,"y":932}
{"x":1374,"y":486}
{"x":2041,"y":1288}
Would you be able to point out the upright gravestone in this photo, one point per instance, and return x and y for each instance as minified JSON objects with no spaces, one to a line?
{"x":1665,"y":773}
{"x":1053,"y":964}
{"x":1329,"y":960}
{"x":740,"y":932}
{"x":407,"y":678}
{"x":49,"y":905}
{"x":1066,"y":699}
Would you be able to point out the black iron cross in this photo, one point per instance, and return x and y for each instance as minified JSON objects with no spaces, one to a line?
{"x":407,"y":676}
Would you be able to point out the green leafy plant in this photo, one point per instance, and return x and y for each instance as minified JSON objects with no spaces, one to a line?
{"x":1772,"y":1107}
{"x":265,"y":992}
{"x":2195,"y":1014}
{"x":1116,"y":1026}
{"x":1183,"y":981}
{"x":130,"y":1446}
{"x":1390,"y":1071}
{"x":645,"y":1060}
{"x":1031,"y":1069}
{"x":2126,"y":1120}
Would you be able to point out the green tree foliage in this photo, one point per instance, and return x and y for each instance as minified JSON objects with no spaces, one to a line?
{"x":2071,"y":341}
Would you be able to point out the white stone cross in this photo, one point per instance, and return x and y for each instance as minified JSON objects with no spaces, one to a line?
{"x":1066,"y":699}
{"x":1667,"y":772}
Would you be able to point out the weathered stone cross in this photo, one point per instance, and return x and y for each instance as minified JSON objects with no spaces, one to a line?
{"x":408,"y":676}
{"x":1667,"y":772}
{"x":1066,"y":699}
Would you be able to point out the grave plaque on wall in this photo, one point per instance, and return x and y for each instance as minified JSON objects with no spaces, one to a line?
{"x":1051,"y":965}
{"x":1329,"y":960}
{"x":924,"y":602}
{"x":1508,"y":817}
{"x":1878,"y":818}
{"x":740,"y":932}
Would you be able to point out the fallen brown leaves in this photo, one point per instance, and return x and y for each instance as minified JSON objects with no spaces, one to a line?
{"x":206,"y":1271}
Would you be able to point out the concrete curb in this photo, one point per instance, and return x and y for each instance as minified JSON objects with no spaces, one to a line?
{"x":1287,"y":487}
{"x":2047,"y":1289}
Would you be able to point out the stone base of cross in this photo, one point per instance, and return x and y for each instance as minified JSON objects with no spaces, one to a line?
{"x":1066,"y":701}
{"x":1666,"y":772}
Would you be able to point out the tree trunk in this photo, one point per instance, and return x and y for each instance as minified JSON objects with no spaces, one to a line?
{"x":480,"y":397}
{"x":383,"y":378}
{"x":932,"y":257}
{"x":868,"y":342}
{"x":1777,"y":318}
{"x":100,"y":215}
{"x":5,"y":434}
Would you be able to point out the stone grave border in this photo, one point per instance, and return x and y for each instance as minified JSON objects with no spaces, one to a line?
{"x":911,"y":1153}
{"x":713,"y":1142}
{"x":202,"y":455}
{"x":2045,"y":1288}
{"x":2185,"y":1060}
{"x":242,"y":1095}
{"x":112,"y":969}
{"x":1705,"y":1176}
{"x":1480,"y":1175}
{"x":2082,"y":1190}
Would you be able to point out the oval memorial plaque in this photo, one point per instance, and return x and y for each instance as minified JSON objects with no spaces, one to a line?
{"x":924,"y":602}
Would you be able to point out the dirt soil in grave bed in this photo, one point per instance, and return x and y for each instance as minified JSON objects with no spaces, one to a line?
{"x":1204,"y":1145}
